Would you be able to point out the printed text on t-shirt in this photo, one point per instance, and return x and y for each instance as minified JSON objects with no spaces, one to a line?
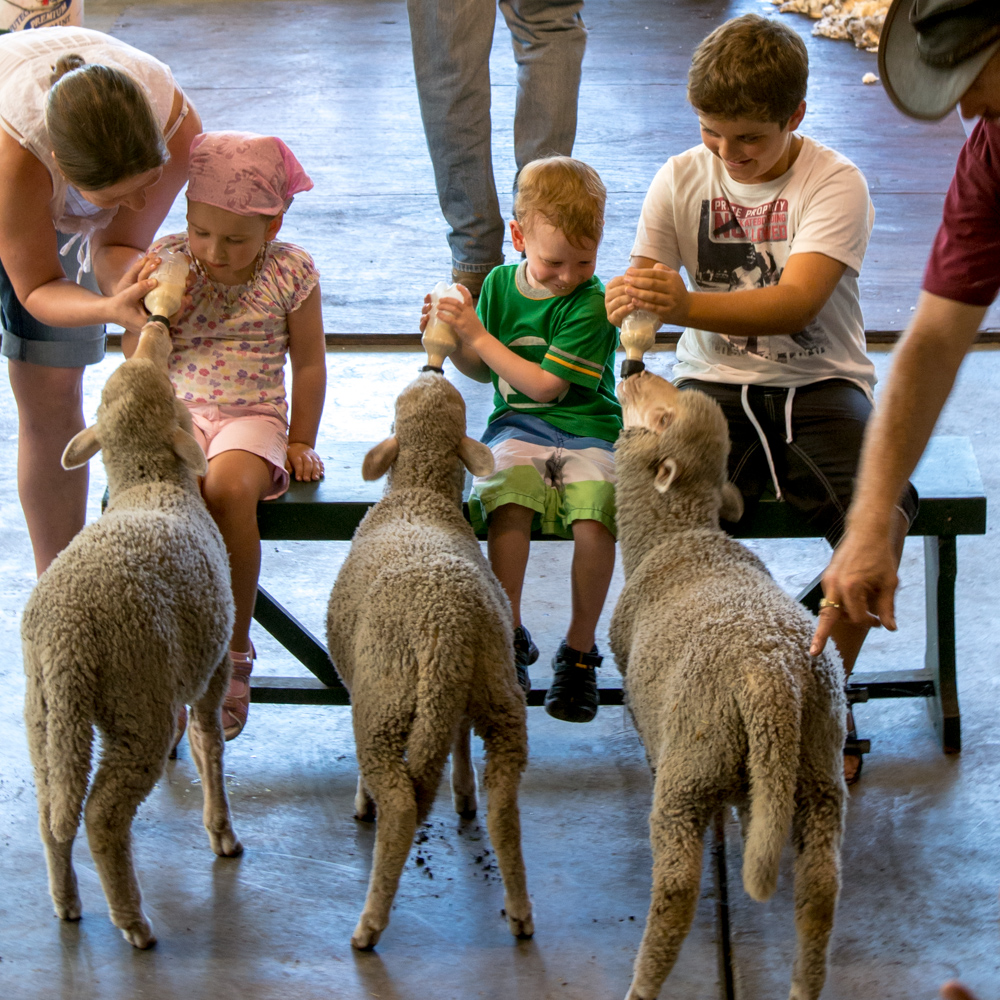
{"x":760,"y":224}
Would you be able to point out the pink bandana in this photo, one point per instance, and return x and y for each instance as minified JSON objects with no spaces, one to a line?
{"x":244,"y":173}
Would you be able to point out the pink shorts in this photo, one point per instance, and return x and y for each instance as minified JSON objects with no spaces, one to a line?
{"x":258,"y":429}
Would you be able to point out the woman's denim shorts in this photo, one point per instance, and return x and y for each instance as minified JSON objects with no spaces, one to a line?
{"x":25,"y":339}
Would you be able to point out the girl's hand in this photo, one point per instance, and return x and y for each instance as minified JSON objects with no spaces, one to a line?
{"x":462,"y":317}
{"x":303,"y":463}
{"x":661,"y":290}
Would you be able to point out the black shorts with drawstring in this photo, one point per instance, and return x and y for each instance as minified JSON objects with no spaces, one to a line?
{"x":814,"y":444}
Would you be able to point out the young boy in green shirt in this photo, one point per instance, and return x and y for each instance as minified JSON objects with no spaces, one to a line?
{"x":542,"y":336}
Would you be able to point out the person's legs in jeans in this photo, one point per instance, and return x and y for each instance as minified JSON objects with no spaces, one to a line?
{"x":451,"y":42}
{"x":549,"y":39}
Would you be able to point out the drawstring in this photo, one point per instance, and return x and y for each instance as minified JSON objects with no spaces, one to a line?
{"x":83,"y":253}
{"x":745,"y":402}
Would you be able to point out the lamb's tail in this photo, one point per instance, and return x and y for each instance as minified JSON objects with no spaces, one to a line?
{"x":771,"y":707}
{"x":65,"y":738}
{"x":439,"y":708}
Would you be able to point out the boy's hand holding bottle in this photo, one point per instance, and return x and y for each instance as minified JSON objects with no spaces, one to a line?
{"x":460,"y":316}
{"x":658,"y":289}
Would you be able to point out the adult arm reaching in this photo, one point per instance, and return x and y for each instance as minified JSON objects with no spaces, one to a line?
{"x":861,"y":577}
{"x":962,"y":279}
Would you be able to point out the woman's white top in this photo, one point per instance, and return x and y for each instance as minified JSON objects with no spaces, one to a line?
{"x":27,"y":59}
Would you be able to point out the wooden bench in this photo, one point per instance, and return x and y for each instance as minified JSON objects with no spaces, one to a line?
{"x":952,"y":503}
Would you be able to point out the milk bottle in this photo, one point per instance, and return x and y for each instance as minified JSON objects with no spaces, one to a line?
{"x":439,"y":339}
{"x":171,"y":280}
{"x":638,"y":336}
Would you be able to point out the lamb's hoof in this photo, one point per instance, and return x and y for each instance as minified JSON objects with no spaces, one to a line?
{"x":521,"y":927}
{"x":466,"y":806}
{"x":139,"y":934}
{"x":365,"y":935}
{"x":226,"y":844}
{"x":364,"y":811}
{"x":71,"y":910}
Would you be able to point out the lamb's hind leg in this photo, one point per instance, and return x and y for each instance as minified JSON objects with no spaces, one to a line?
{"x":131,"y":764}
{"x":505,"y":736}
{"x":682,"y":803}
{"x":58,"y":854}
{"x":364,"y":804}
{"x":207,"y":743}
{"x":463,"y":774}
{"x":396,"y":803}
{"x":816,"y":834}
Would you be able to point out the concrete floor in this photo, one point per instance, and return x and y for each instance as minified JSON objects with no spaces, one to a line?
{"x":920,"y":876}
{"x":921,"y":855}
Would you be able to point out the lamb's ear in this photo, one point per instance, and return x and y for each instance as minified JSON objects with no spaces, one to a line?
{"x":81,"y":449}
{"x":187,"y":449}
{"x":476,"y":457}
{"x":183,"y":415}
{"x":732,"y":503}
{"x":378,"y":460}
{"x":666,"y":474}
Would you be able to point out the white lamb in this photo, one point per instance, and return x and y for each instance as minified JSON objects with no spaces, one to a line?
{"x":420,"y":631}
{"x":729,"y":704}
{"x":129,"y":623}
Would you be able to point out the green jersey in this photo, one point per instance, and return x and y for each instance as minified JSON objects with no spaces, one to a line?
{"x":568,"y":335}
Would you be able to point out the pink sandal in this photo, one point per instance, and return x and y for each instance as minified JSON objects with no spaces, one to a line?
{"x":236,"y":705}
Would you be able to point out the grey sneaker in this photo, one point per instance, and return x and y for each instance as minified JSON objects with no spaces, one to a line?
{"x":525,"y":653}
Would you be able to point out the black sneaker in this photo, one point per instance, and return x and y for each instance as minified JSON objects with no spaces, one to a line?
{"x":573,"y":696}
{"x":525,"y":653}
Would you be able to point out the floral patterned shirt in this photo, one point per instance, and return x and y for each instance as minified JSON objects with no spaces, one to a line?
{"x":230,"y":349}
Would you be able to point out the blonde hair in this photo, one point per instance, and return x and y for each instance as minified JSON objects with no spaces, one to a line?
{"x":567,"y":193}
{"x":101,"y":125}
{"x":750,"y":67}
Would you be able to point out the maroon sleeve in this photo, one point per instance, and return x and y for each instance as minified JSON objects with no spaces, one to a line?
{"x":964,"y":264}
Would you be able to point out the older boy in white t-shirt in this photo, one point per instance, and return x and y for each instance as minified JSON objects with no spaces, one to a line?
{"x":771,"y":228}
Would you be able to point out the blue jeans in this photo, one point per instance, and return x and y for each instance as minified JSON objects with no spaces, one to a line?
{"x":451,"y":56}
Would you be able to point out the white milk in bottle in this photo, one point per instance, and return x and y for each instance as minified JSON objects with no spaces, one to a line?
{"x":439,"y":339}
{"x":638,"y":336}
{"x":171,"y":280}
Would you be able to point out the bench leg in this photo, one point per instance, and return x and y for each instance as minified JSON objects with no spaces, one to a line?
{"x":940,"y":569}
{"x":295,"y":637}
{"x":809,"y":596}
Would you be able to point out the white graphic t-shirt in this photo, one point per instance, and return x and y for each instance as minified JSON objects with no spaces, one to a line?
{"x":729,"y":236}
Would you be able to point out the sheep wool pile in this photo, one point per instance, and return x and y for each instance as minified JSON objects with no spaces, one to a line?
{"x":857,"y":20}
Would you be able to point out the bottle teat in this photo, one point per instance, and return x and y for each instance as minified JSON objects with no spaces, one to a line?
{"x":638,"y":335}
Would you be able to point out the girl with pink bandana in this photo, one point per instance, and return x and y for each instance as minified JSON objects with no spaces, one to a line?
{"x":253,"y":303}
